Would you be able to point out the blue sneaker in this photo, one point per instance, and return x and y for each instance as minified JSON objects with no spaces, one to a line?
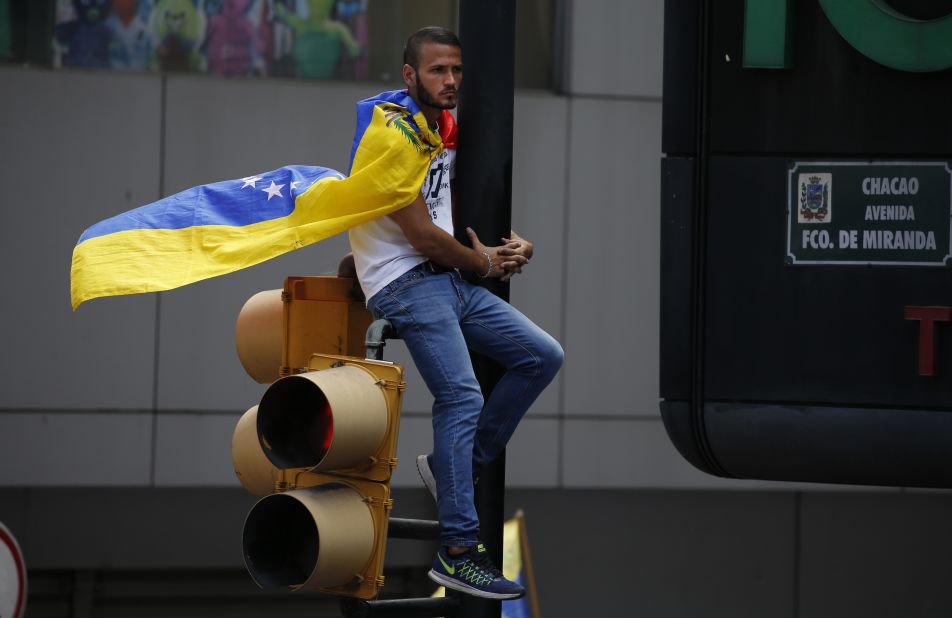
{"x":473,"y":573}
{"x":425,"y":468}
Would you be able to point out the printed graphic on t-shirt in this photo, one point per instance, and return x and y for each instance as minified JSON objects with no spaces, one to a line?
{"x":436,"y":186}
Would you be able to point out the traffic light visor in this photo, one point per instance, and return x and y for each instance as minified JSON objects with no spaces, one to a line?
{"x":255,"y":472}
{"x":259,"y":333}
{"x":309,"y":538}
{"x":323,"y":420}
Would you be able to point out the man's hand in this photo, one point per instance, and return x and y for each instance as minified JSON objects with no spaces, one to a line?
{"x":506,"y":258}
{"x":515,"y":245}
{"x":437,"y":245}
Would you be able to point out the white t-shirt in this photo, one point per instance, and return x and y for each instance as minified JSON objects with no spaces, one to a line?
{"x":381,"y":251}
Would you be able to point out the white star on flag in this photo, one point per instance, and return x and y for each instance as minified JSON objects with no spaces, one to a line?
{"x":294,"y":184}
{"x":273,"y":190}
{"x":250,"y":181}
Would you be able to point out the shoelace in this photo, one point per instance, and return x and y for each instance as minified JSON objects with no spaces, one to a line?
{"x":483,"y":562}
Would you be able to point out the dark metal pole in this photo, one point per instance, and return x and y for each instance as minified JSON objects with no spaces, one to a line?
{"x":415,"y":529}
{"x":487,"y":31}
{"x":377,"y":335}
{"x":438,"y":607}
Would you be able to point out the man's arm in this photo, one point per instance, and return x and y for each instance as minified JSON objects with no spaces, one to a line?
{"x":430,"y":240}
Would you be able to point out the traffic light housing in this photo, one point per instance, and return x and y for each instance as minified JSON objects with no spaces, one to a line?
{"x":278,"y":330}
{"x":320,"y":447}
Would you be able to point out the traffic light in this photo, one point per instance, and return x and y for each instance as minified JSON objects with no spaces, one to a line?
{"x":278,"y":330}
{"x":321,"y":448}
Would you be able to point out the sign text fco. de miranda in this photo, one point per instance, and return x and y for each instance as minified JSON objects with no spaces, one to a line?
{"x":892,"y":213}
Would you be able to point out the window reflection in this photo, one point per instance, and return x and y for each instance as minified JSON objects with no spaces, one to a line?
{"x":301,"y":39}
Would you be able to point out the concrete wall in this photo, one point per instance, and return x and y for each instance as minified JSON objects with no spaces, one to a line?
{"x":157,"y":373}
{"x":120,"y":414}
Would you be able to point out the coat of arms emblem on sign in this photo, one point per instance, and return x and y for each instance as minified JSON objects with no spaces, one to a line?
{"x":816,"y":200}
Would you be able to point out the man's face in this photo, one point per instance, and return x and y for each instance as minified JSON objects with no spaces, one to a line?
{"x":436,"y":81}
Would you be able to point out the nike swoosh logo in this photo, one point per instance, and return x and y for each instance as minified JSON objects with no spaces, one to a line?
{"x":449,"y":569}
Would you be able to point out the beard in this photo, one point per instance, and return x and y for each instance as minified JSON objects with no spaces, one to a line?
{"x":425,"y":98}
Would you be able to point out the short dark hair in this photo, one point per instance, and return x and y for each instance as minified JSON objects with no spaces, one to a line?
{"x":429,"y":34}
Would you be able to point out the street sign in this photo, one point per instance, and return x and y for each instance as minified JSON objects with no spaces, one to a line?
{"x":12,"y":576}
{"x":877,"y":213}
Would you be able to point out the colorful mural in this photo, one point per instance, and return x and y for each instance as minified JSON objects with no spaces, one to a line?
{"x":315,"y":39}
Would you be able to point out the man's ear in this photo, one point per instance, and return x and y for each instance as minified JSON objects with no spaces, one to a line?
{"x":409,"y":76}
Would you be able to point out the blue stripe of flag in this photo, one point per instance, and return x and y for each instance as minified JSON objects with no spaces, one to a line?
{"x":230,"y":202}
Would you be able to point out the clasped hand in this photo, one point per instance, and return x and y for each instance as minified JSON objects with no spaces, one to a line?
{"x":507,"y":258}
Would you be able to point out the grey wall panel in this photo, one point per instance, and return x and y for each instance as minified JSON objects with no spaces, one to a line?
{"x":416,"y":438}
{"x":194,"y":450}
{"x":611,"y":343}
{"x":616,"y":48}
{"x":77,"y":148}
{"x":637,"y":453}
{"x":875,"y":556}
{"x":75,"y":448}
{"x":538,"y":214}
{"x":532,"y":457}
{"x":628,"y":453}
{"x":624,"y":453}
{"x":219,"y":129}
{"x":661,"y":554}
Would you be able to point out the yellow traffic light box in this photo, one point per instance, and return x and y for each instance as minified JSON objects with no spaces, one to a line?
{"x":278,"y":330}
{"x":326,"y":440}
{"x":321,"y":448}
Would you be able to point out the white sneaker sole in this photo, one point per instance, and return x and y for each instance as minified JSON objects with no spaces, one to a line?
{"x":459,"y":586}
{"x":426,"y":475}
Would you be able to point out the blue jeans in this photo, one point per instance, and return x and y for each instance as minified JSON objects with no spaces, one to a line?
{"x":441,"y":317}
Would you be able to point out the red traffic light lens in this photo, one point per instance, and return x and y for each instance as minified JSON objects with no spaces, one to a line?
{"x":295,"y":423}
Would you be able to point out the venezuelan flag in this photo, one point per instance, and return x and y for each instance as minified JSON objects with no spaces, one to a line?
{"x":219,"y":228}
{"x":517,"y":566}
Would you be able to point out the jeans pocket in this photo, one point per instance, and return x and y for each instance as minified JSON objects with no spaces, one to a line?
{"x":404,"y":281}
{"x":373,"y":305}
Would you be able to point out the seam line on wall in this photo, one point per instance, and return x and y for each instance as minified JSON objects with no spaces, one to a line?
{"x":637,"y":98}
{"x":158,"y":296}
{"x":408,"y":414}
{"x":563,"y":301}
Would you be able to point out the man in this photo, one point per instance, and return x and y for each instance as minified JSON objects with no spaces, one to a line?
{"x":408,"y":265}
